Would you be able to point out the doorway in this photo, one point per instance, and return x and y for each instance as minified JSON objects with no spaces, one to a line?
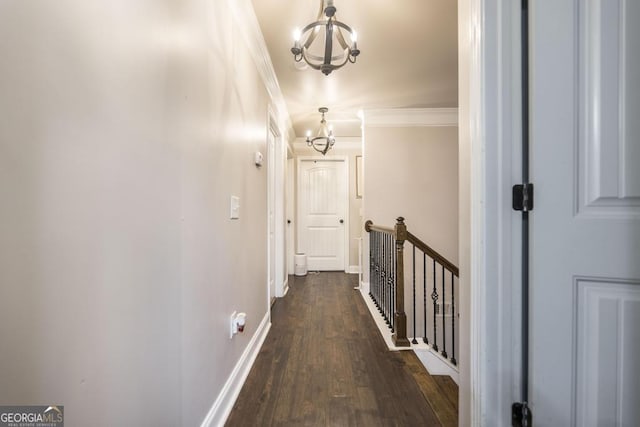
{"x":271,"y":215}
{"x":323,"y":220}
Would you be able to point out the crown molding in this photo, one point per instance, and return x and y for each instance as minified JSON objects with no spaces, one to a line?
{"x":248,"y":25}
{"x":411,"y":117}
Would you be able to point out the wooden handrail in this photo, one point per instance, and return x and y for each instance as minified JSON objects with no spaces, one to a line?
{"x":432,"y":253}
{"x":369,"y":226}
{"x":411,"y":238}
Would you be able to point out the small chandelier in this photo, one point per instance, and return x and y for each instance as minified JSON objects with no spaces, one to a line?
{"x":333,"y":32}
{"x":324,"y":139}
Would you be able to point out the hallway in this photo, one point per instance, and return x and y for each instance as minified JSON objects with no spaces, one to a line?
{"x":325,"y":363}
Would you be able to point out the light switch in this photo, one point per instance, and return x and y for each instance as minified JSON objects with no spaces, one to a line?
{"x":235,"y":207}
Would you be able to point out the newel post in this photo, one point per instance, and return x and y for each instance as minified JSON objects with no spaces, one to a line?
{"x":400,"y":335}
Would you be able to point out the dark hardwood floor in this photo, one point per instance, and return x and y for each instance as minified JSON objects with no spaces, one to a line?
{"x":325,"y":363}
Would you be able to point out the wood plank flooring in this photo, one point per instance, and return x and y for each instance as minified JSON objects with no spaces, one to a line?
{"x":325,"y":363}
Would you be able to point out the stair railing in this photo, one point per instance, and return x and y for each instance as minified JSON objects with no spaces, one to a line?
{"x":387,"y":271}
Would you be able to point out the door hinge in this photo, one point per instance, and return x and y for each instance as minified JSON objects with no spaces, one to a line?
{"x":520,"y":415}
{"x":523,"y":197}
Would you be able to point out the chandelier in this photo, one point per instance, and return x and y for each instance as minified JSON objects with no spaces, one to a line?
{"x":324,"y":139}
{"x":325,"y":59}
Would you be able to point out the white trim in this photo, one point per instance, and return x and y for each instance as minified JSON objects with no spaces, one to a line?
{"x":248,"y":25}
{"x":222,"y":406}
{"x":353,"y":269}
{"x":434,"y":362}
{"x":272,"y":132}
{"x":285,"y":287}
{"x":489,"y":37}
{"x":411,"y":117}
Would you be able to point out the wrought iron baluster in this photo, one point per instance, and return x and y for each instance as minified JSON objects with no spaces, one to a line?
{"x":434,"y":298}
{"x":444,"y":324}
{"x":386,"y":279}
{"x":414,"y":340}
{"x":378,"y":254}
{"x":390,"y":279}
{"x":393,"y":283}
{"x":453,"y":322}
{"x":424,"y":296}
{"x":372,"y":246}
{"x":381,"y":275}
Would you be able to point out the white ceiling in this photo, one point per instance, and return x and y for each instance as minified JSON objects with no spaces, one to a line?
{"x":408,"y":59}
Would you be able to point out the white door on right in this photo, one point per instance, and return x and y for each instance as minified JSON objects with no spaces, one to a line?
{"x":585,"y":241}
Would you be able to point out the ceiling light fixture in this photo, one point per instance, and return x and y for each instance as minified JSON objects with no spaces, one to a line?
{"x":324,"y":139}
{"x":323,"y":60}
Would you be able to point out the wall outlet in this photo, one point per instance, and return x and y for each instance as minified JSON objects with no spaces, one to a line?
{"x":237,"y":322}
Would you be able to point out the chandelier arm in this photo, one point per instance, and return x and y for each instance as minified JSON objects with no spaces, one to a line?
{"x":340,"y":65}
{"x":343,"y":26}
{"x":341,"y":39}
{"x":309,"y":56}
{"x":306,"y":59}
{"x":324,"y":147}
{"x":328,"y":44}
{"x":345,"y":59}
{"x":313,"y":34}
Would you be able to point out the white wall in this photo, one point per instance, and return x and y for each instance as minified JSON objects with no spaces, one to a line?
{"x":413,"y":172}
{"x":124,"y":129}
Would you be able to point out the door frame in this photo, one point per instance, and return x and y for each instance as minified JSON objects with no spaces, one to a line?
{"x":272,"y":130}
{"x":489,"y":108}
{"x":345,"y":160}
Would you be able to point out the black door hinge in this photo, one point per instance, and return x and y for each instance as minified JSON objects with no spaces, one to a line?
{"x":523,"y":197}
{"x":520,"y":415}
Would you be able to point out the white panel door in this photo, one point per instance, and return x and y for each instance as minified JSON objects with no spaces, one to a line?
{"x":322,"y":212}
{"x":585,"y":247}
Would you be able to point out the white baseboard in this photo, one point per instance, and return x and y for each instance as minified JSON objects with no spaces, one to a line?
{"x":226,"y":399}
{"x":433,"y":362}
{"x":285,"y":286}
{"x":364,"y":289}
{"x":353,"y":269}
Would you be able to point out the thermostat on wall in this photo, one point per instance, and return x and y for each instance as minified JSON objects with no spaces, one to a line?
{"x":258,"y":158}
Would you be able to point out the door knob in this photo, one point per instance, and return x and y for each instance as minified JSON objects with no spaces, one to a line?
{"x":342,"y":221}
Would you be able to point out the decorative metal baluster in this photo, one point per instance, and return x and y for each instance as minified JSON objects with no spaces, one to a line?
{"x":386,"y":280}
{"x":414,"y":340}
{"x":382,"y":274}
{"x":372,"y":267}
{"x":373,"y":250}
{"x":393,"y":282}
{"x":444,"y":324}
{"x":391,"y":278}
{"x":453,"y":321}
{"x":377,"y":269}
{"x":434,"y":298}
{"x":424,"y":296}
